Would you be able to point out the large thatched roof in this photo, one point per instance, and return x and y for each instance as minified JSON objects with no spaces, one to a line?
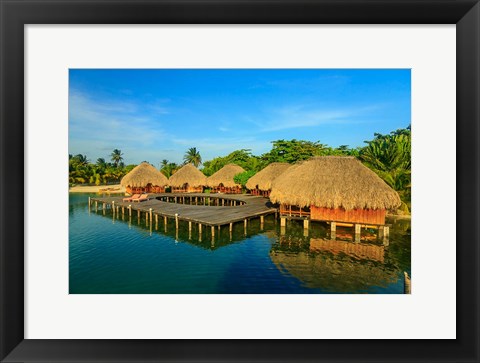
{"x":263,"y":179}
{"x":188,"y":174}
{"x":333,"y":182}
{"x":225,"y":176}
{"x":144,"y":174}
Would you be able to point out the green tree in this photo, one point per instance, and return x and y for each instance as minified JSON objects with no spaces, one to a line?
{"x":242,"y":178}
{"x":192,"y":156}
{"x":390,"y":157}
{"x":116,"y":157}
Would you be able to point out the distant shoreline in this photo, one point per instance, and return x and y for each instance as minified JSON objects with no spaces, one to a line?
{"x":97,"y":189}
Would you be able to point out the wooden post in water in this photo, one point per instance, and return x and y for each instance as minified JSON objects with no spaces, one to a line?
{"x":156,"y":222}
{"x":176,"y":221}
{"x":138,"y":214}
{"x":213,"y":231}
{"x":96,"y":205}
{"x":200,"y":232}
{"x":151,"y":215}
{"x":306,"y":224}
{"x":189,"y":226}
{"x":130,"y":210}
{"x":123,"y":210}
{"x":231,"y":227}
{"x":283,"y":222}
{"x":89,"y":203}
{"x":113,"y":207}
{"x":386,"y":235}
{"x":358,"y":231}
{"x":407,"y":285}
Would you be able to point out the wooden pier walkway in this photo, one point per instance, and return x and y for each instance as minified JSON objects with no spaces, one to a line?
{"x":201,"y":208}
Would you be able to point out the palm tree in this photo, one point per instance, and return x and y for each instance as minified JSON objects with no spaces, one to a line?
{"x":116,"y":157}
{"x":192,"y":156}
{"x":101,"y":163}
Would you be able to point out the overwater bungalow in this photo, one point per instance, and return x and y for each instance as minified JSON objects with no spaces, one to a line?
{"x":188,"y":179}
{"x":335,"y":189}
{"x":144,"y":178}
{"x":222,"y":181}
{"x":261,"y":183}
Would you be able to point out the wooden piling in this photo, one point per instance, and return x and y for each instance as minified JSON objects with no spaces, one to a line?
{"x":231,"y":227}
{"x":358,"y":230}
{"x":262,"y":219}
{"x":283,"y":222}
{"x":306,"y":224}
{"x":189,"y":226}
{"x":176,"y":220}
{"x":130,"y":211}
{"x":213,"y":231}
{"x":407,"y":285}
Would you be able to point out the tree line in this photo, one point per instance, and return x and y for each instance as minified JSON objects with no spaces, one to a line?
{"x":389,"y":156}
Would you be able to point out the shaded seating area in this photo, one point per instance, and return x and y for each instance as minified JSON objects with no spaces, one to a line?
{"x":222,"y":181}
{"x":144,"y":178}
{"x":261,"y":183}
{"x":188,"y":179}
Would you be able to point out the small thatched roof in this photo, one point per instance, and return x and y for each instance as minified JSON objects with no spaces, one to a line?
{"x":264,"y":178}
{"x":225,"y":176}
{"x":144,"y":174}
{"x":188,"y":174}
{"x":333,"y":182}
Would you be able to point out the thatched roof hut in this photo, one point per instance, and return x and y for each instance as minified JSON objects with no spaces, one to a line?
{"x":333,"y":182}
{"x":264,"y":178}
{"x":188,"y":174}
{"x":225,"y":176}
{"x":142,"y":175}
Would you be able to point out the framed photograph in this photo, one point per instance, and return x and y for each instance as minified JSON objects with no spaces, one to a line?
{"x":241,"y":177}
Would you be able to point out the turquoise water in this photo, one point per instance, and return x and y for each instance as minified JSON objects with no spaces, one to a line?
{"x":113,"y":255}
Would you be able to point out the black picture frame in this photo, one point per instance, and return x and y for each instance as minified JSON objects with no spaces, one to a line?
{"x":15,"y":14}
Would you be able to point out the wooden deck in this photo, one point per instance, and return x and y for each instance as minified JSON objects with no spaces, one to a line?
{"x":208,"y":215}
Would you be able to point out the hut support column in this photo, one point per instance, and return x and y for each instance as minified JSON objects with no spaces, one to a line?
{"x":333,"y":230}
{"x":231,"y":227}
{"x":176,"y":221}
{"x":283,"y":222}
{"x":358,"y":230}
{"x":130,"y":211}
{"x":89,"y":203}
{"x":96,"y":206}
{"x":305,"y":224}
{"x":151,"y":215}
{"x":156,"y":221}
{"x":386,"y":235}
{"x":113,"y":208}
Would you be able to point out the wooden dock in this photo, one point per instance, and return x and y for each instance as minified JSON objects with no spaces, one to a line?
{"x":201,"y":208}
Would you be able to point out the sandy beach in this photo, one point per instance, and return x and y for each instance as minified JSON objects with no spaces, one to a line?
{"x":116,"y":188}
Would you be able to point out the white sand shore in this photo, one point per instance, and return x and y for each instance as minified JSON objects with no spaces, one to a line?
{"x":117,"y":188}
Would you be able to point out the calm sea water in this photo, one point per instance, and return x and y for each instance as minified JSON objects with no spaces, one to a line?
{"x":113,"y":255}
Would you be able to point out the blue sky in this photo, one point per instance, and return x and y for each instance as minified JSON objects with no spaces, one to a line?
{"x":156,"y":114}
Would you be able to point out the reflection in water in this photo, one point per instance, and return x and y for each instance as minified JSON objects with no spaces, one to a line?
{"x":332,"y":270}
{"x":126,"y":254}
